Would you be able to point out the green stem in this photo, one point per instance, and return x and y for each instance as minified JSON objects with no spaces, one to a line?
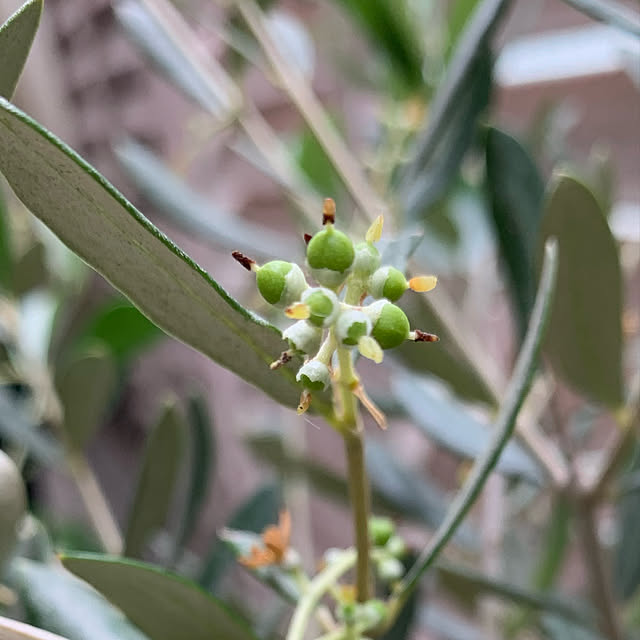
{"x":315,"y":592}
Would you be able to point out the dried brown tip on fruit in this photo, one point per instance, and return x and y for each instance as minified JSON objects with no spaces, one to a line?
{"x":245,"y":261}
{"x":328,"y":211}
{"x":307,"y":238}
{"x":423,"y":336}
{"x":285,"y":357}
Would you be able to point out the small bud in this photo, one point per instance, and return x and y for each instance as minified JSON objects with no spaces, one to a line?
{"x":380,"y":530}
{"x":390,"y":569}
{"x":389,"y":283}
{"x":330,"y":254}
{"x":390,"y":324}
{"x":303,"y":337}
{"x":372,"y":613}
{"x":314,"y":375}
{"x":298,"y":311}
{"x":422,"y":284}
{"x":280,"y":283}
{"x":352,"y":325}
{"x":396,"y":547}
{"x":374,"y":233}
{"x":328,"y":211}
{"x":369,"y":348}
{"x":323,"y":306}
{"x":366,"y":261}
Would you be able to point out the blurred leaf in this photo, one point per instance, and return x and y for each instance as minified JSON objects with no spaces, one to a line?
{"x":444,"y":359}
{"x":161,"y":34}
{"x":406,"y":620}
{"x":626,"y":559}
{"x":20,"y":430}
{"x":202,"y":459}
{"x":30,"y":270}
{"x":280,"y":580}
{"x":121,"y":327}
{"x":112,"y":236}
{"x":448,"y":625}
{"x":165,"y":606}
{"x":85,"y":387}
{"x":561,"y":629}
{"x":609,"y":12}
{"x":516,"y":193}
{"x":397,"y":251}
{"x":260,"y":510}
{"x":391,"y":29}
{"x":459,"y":14}
{"x":442,"y":419}
{"x":473,"y":584}
{"x":158,"y":475}
{"x":6,"y":248}
{"x":453,"y":92}
{"x":60,"y":603}
{"x":426,"y":178}
{"x":16,"y":37}
{"x":190,"y":211}
{"x":14,"y":630}
{"x":13,"y":504}
{"x":505,"y":423}
{"x":584,"y":342}
{"x":394,"y":489}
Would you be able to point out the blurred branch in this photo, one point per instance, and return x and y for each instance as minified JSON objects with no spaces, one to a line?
{"x":613,"y":13}
{"x":314,"y":114}
{"x":505,"y":425}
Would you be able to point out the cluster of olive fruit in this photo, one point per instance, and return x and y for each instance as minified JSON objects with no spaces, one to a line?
{"x":337,"y":264}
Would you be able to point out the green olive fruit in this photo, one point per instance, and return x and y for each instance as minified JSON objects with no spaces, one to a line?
{"x":323,"y":306}
{"x":366,"y":261}
{"x":351,"y":326}
{"x":280,"y":283}
{"x":314,"y":375}
{"x":389,"y":283}
{"x":390,"y":324}
{"x":330,"y":254}
{"x":303,"y":337}
{"x":390,"y":569}
{"x":380,"y":530}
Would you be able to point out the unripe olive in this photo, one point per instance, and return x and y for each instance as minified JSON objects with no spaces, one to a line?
{"x":389,"y":283}
{"x":330,"y":254}
{"x":380,"y":530}
{"x":390,"y":324}
{"x":281,"y":283}
{"x":351,"y":326}
{"x":366,"y":261}
{"x":323,"y":306}
{"x":303,"y":337}
{"x":396,"y":546}
{"x":390,"y":569}
{"x":371,"y":613}
{"x":314,"y":375}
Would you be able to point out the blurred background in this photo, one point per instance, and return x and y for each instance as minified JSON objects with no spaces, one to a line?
{"x":561,"y":84}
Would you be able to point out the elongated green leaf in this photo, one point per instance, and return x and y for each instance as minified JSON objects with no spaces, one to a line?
{"x":158,"y":475}
{"x":119,"y":326}
{"x":202,"y":466}
{"x":163,"y":605}
{"x":505,"y":424}
{"x":85,"y":388}
{"x":60,"y":603}
{"x":260,"y":510}
{"x":14,"y":630}
{"x":446,"y":422}
{"x":13,"y":503}
{"x":163,"y":36}
{"x":96,"y":222}
{"x":390,"y":28}
{"x":516,"y":192}
{"x":459,"y":13}
{"x":6,"y":246}
{"x":431,"y":175}
{"x":30,"y":270}
{"x":190,"y":211}
{"x":19,"y":429}
{"x":16,"y":37}
{"x":397,"y":251}
{"x":609,"y":12}
{"x":584,"y":342}
{"x":444,"y":359}
{"x":472,"y":45}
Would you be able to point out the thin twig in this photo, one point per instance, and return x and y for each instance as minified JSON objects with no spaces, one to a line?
{"x":301,"y":94}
